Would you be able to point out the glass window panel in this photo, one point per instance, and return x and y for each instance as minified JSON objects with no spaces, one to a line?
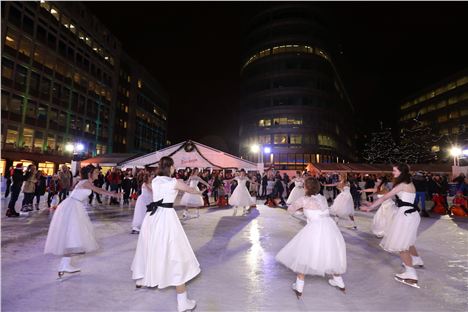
{"x":28,"y":137}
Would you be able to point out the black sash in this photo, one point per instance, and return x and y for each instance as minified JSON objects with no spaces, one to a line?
{"x":153,"y":207}
{"x":401,"y":203}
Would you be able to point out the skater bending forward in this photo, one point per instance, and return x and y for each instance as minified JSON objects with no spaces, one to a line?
{"x":403,"y":228}
{"x":319,"y":248}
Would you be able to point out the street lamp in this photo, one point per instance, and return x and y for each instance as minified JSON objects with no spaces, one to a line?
{"x":69,"y":147}
{"x":455,"y":151}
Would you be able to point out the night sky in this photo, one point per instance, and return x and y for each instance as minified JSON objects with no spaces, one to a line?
{"x":390,"y":50}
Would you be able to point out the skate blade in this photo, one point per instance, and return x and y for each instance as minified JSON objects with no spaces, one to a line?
{"x":409,"y":282}
{"x":415,"y":266}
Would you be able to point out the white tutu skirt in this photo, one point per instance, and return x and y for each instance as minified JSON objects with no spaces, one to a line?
{"x":70,"y":230}
{"x":383,"y":217}
{"x":164,"y":256}
{"x":343,"y":205}
{"x":140,"y":209}
{"x":241,"y":197}
{"x":192,"y":200}
{"x":296,"y":193}
{"x":402,"y":231}
{"x":318,"y":249}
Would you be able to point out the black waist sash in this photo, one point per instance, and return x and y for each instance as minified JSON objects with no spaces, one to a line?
{"x":401,"y":203}
{"x":153,"y":207}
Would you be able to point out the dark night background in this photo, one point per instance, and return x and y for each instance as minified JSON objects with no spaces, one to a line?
{"x":390,"y":50}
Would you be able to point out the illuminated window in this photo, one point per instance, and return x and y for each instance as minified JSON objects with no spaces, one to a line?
{"x":264,"y":139}
{"x":454,"y":115}
{"x":12,"y":135}
{"x":441,"y":104}
{"x":54,"y":12}
{"x":140,"y":84}
{"x":46,"y":167}
{"x":280,"y":139}
{"x":326,"y":140}
{"x":435,"y":148}
{"x":28,"y":137}
{"x":295,"y":138}
{"x":11,"y":39}
{"x":443,"y":132}
{"x":452,"y":100}
{"x":455,"y":130}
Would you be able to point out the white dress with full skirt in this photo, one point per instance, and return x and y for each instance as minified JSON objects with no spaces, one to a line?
{"x":71,"y":230}
{"x":192,"y":200}
{"x":241,"y":196}
{"x":145,"y":198}
{"x":383,"y":217}
{"x":403,"y":229}
{"x":343,"y":205}
{"x":297,"y":192}
{"x":319,"y":248}
{"x":164,"y":256}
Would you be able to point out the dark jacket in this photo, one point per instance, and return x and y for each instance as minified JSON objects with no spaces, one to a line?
{"x":41,"y":185}
{"x":420,"y":183}
{"x":17,"y":178}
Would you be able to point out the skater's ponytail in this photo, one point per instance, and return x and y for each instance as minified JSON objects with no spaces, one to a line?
{"x":165,"y":164}
{"x":312,"y":186}
{"x":405,"y":176}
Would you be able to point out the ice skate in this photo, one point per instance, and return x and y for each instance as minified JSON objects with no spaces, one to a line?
{"x":66,"y":267}
{"x":185,"y":304}
{"x":409,"y":277}
{"x":296,"y":291}
{"x":337,"y":281}
{"x":139,"y":283}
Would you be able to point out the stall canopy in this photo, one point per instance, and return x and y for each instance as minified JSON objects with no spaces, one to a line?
{"x":374,"y":168}
{"x":108,"y":160}
{"x":192,"y":154}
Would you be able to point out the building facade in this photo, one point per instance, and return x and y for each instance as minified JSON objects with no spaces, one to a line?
{"x":61,"y":87}
{"x":293,"y":104}
{"x":443,"y":107}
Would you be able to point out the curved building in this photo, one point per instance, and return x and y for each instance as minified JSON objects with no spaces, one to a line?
{"x":293,"y":104}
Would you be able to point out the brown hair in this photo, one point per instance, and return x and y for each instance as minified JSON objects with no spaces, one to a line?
{"x":405,"y":176}
{"x":165,"y":164}
{"x":312,"y":186}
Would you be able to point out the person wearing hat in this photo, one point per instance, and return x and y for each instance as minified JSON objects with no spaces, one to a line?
{"x":17,"y":183}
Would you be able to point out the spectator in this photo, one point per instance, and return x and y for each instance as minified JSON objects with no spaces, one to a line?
{"x":421,"y":185}
{"x":370,"y":184}
{"x":8,"y":174}
{"x":17,"y":182}
{"x":29,"y":188}
{"x":40,"y":187}
{"x":64,"y":182}
{"x":52,"y":188}
{"x":126,"y":187}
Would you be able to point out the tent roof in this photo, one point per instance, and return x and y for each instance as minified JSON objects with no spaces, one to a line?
{"x":201,"y":156}
{"x":111,"y":159}
{"x":335,"y":167}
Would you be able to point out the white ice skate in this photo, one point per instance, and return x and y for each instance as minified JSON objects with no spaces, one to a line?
{"x":337,"y":281}
{"x":66,"y":267}
{"x":296,"y":291}
{"x":185,"y":304}
{"x":409,"y":277}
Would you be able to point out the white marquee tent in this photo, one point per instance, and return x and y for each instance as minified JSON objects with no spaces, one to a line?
{"x":194,"y":155}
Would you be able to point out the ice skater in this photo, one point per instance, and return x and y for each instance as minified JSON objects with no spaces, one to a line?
{"x":401,"y":235}
{"x":241,"y":196}
{"x":319,"y":248}
{"x":193,"y":200}
{"x":384,"y":215}
{"x":343,"y":205}
{"x":71,"y":231}
{"x":164,"y":256}
{"x":298,"y":190}
{"x":143,"y":200}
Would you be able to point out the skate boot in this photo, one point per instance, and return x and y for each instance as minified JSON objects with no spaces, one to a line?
{"x":337,"y":281}
{"x":298,"y":288}
{"x":409,"y":277}
{"x":139,"y":283}
{"x":185,"y":304}
{"x":66,"y":267}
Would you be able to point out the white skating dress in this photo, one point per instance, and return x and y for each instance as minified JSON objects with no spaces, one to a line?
{"x":343,"y":205}
{"x":145,"y":198}
{"x":164,"y":256}
{"x":383,"y":217}
{"x":192,"y":200}
{"x":403,"y":229}
{"x":71,"y":230}
{"x":241,"y":196}
{"x":319,"y":248}
{"x":297,"y":192}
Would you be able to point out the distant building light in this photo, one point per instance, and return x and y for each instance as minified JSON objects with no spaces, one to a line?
{"x":267,"y":150}
{"x":9,"y":39}
{"x":53,"y":11}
